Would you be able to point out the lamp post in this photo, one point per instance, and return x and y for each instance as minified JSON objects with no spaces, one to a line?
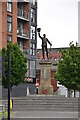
{"x":9,"y":85}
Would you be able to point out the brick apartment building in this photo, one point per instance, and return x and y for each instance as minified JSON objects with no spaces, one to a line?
{"x":79,"y":23}
{"x":18,"y":23}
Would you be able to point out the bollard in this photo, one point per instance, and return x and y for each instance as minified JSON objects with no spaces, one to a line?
{"x":11,"y":104}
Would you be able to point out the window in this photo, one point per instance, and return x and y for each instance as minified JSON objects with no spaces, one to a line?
{"x":9,"y":5}
{"x":21,"y":45}
{"x":33,"y":15}
{"x":33,"y":2}
{"x":30,"y":45}
{"x":9,"y":23}
{"x":9,"y":0}
{"x":32,"y":68}
{"x":33,"y":46}
{"x":32,"y":49}
{"x":27,"y":68}
{"x":9,"y":38}
{"x":33,"y":52}
{"x":32,"y":33}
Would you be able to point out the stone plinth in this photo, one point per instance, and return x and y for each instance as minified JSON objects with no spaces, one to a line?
{"x":45,"y":78}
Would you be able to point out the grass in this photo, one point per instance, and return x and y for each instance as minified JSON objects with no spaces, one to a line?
{"x":5,"y":114}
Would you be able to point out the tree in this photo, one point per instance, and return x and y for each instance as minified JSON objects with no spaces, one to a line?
{"x":68,"y":72}
{"x":18,"y":66}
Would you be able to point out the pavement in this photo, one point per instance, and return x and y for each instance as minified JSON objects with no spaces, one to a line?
{"x":44,"y":114}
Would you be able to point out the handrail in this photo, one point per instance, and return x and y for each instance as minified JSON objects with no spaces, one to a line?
{"x":24,"y":49}
{"x":23,"y":32}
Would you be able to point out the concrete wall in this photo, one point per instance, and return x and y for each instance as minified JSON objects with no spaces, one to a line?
{"x":20,"y":90}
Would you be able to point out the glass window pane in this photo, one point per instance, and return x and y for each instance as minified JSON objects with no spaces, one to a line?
{"x":9,"y":7}
{"x":32,"y":33}
{"x":27,"y":68}
{"x":33,"y":52}
{"x":33,"y":15}
{"x":33,"y":2}
{"x":9,"y":18}
{"x":30,"y":45}
{"x":33,"y":46}
{"x":30,"y":51}
{"x":9,"y":0}
{"x":9,"y":27}
{"x":9,"y":23}
{"x":32,"y":69}
{"x":9,"y":38}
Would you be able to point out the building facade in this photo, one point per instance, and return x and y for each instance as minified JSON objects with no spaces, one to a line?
{"x":19,"y":24}
{"x":79,"y":23}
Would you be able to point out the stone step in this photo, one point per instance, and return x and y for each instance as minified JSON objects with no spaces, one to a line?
{"x":42,"y":97}
{"x":31,"y":103}
{"x":50,"y":103}
{"x":55,"y":100}
{"x":44,"y":109}
{"x":43,"y":103}
{"x":41,"y":118}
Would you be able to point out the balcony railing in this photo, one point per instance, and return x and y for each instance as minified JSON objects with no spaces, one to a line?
{"x":25,"y":0}
{"x":22,"y":14}
{"x":23,"y":33}
{"x":24,"y":49}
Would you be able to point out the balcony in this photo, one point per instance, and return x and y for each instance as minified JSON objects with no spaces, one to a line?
{"x":22,"y":33}
{"x":23,"y":1}
{"x":21,"y":14}
{"x":24,"y":49}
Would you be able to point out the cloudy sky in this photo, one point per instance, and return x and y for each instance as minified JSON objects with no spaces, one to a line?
{"x":58,"y":19}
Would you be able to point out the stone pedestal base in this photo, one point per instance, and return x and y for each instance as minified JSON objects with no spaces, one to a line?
{"x":45,"y":76}
{"x":45,"y":87}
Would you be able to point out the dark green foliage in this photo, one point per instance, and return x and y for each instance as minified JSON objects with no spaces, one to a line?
{"x":18,"y":66}
{"x":68,"y":72}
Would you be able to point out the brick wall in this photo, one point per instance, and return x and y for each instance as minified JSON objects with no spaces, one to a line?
{"x":4,"y":24}
{"x":0,"y":25}
{"x":14,"y":22}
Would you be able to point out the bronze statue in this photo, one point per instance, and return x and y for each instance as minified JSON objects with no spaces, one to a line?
{"x":44,"y":43}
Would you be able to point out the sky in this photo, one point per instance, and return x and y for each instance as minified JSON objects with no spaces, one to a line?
{"x":58,"y":19}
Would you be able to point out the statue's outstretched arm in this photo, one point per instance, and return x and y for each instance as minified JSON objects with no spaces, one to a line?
{"x":40,"y":35}
{"x":49,"y":42}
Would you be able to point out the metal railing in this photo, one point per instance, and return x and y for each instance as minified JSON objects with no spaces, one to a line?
{"x":25,"y":0}
{"x":24,"y":49}
{"x":23,"y":14}
{"x":23,"y":33}
{"x":33,"y":2}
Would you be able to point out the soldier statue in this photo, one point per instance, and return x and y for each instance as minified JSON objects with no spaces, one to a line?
{"x":44,"y":43}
